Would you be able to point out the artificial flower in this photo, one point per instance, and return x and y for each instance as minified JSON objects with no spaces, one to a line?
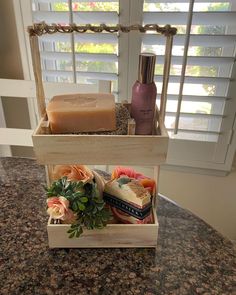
{"x":125,"y":171}
{"x":58,"y":208}
{"x":70,"y":217}
{"x":73,"y":173}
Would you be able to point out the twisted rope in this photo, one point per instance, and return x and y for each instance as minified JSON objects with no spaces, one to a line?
{"x":40,"y":29}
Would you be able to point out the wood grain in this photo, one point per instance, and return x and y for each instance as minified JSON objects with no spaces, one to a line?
{"x":112,"y":236}
{"x":166,"y":75}
{"x":34,"y":45}
{"x":99,"y":149}
{"x":95,"y":150}
{"x":131,"y":126}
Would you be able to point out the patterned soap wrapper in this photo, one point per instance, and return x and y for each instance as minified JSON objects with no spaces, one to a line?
{"x":127,"y":207}
{"x":128,"y":219}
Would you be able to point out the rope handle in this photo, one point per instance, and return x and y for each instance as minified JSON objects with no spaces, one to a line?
{"x":39,"y":29}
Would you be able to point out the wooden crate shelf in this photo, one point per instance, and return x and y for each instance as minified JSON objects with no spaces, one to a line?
{"x":100,"y":149}
{"x":151,"y":150}
{"x":112,"y":236}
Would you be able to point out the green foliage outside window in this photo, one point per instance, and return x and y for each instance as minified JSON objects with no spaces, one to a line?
{"x":93,"y":66}
{"x":111,"y":67}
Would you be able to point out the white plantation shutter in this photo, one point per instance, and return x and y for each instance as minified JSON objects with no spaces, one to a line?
{"x":206,"y":131}
{"x":206,"y":120}
{"x":78,"y":58}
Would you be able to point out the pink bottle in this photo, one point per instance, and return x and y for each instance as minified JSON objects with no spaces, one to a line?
{"x":144,"y":95}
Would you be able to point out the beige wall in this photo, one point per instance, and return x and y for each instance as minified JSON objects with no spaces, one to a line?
{"x":213,"y":198}
{"x":15,"y":109}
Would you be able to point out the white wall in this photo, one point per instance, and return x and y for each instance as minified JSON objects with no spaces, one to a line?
{"x":213,"y":198}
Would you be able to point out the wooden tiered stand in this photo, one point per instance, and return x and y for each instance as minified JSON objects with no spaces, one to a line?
{"x":51,"y":149}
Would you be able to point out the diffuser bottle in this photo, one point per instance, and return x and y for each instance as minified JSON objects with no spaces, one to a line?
{"x":144,"y":95}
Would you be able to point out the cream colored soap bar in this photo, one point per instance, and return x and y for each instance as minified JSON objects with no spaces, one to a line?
{"x":131,"y":192}
{"x":90,"y":112}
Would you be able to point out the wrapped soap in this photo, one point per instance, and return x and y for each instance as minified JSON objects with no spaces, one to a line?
{"x":130,"y":202}
{"x":75,"y":113}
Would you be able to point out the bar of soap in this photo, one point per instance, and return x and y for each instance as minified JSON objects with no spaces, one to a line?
{"x":74,"y":113}
{"x":131,"y":191}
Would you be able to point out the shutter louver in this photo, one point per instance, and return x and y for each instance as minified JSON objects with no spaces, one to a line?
{"x":199,"y":18}
{"x":81,"y":58}
{"x":82,"y":18}
{"x":211,"y":55}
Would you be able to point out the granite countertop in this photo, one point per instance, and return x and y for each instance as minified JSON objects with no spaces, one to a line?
{"x":190,"y":258}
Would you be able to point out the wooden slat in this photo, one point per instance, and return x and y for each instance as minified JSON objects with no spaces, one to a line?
{"x":24,"y":88}
{"x":86,"y":74}
{"x":200,"y":98}
{"x":81,"y":17}
{"x":195,"y":79}
{"x":205,"y":40}
{"x":166,"y":74}
{"x":99,"y":38}
{"x":18,"y":137}
{"x":199,"y":18}
{"x":199,"y":60}
{"x":123,"y":236}
{"x":131,"y":126}
{"x":100,"y":149}
{"x":36,"y":61}
{"x":103,"y":57}
{"x":165,"y":1}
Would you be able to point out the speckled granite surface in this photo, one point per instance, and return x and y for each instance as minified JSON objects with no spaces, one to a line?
{"x":190,"y":258}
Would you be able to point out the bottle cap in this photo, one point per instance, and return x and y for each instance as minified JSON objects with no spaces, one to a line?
{"x":147,"y":63}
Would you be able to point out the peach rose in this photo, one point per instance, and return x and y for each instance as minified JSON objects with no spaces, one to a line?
{"x":70,"y":217}
{"x":73,"y":173}
{"x":58,"y":208}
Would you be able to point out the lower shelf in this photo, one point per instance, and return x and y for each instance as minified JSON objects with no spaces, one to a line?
{"x":112,"y":236}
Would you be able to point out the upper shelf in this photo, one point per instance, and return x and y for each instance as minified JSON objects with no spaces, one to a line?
{"x":101,"y":149}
